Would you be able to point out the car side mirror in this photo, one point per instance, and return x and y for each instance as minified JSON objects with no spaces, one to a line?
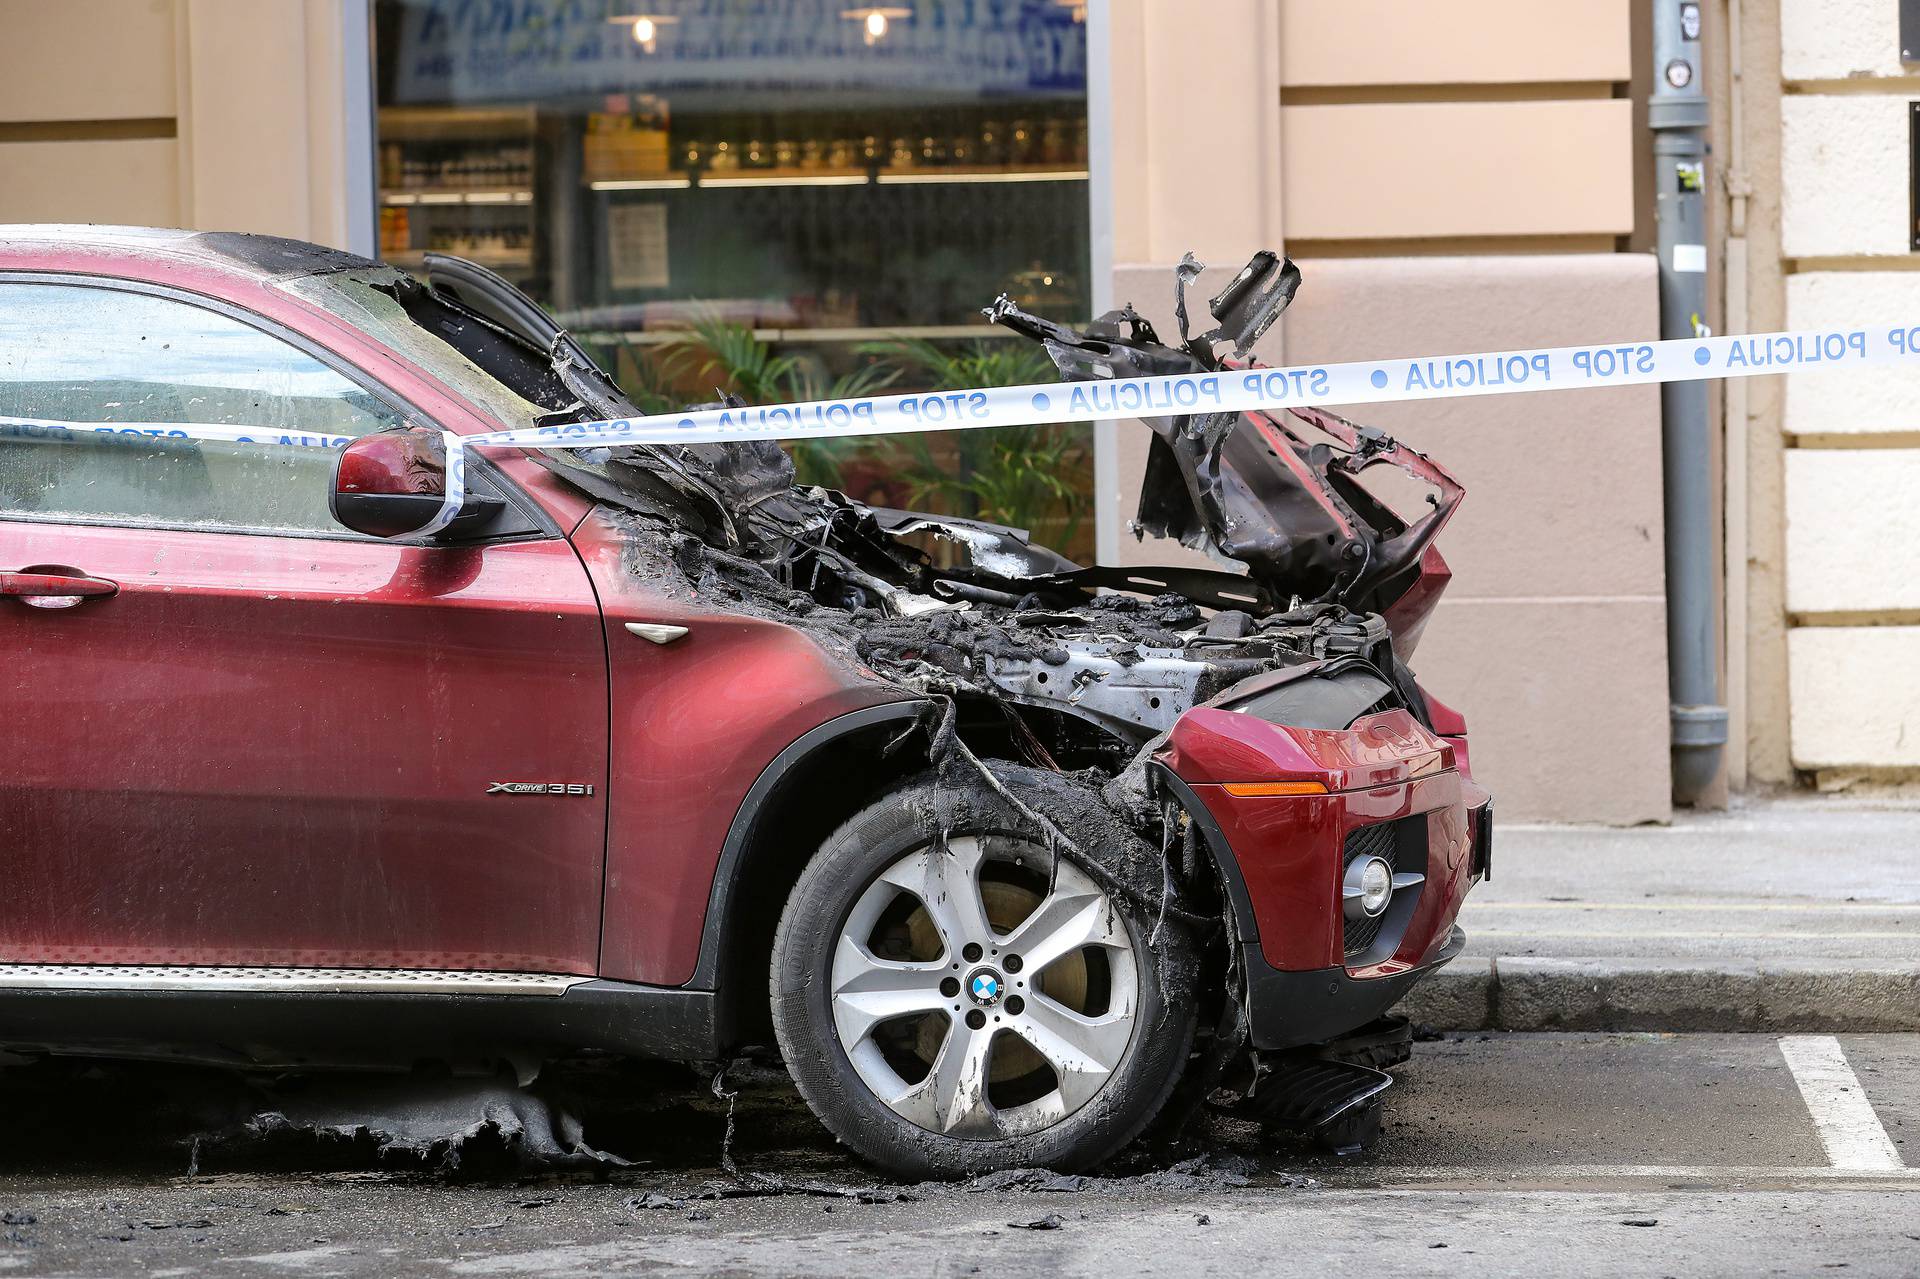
{"x":392,"y":483}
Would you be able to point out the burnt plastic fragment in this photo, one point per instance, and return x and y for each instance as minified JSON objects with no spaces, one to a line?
{"x":1279,"y":492}
{"x":1052,"y":1221}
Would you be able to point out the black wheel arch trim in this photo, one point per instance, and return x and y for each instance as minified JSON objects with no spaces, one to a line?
{"x":1246,"y":928}
{"x":740,"y":833}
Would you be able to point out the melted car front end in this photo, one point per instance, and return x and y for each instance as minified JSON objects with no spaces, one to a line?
{"x":1262,"y":708}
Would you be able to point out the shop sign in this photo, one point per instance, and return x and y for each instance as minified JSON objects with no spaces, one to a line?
{"x":494,"y":50}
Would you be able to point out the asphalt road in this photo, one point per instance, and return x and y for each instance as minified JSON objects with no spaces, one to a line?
{"x":1503,"y":1155}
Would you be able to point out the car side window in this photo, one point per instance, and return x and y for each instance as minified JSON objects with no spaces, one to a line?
{"x":87,"y":354}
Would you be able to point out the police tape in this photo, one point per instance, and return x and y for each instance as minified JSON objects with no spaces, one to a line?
{"x":1250,"y":389}
{"x":454,"y":495}
{"x":42,"y":428}
{"x":1224,"y":391}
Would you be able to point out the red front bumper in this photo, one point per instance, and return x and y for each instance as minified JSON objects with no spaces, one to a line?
{"x":1288,"y":854}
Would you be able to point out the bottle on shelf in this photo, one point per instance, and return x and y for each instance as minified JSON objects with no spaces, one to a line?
{"x":993,"y":143}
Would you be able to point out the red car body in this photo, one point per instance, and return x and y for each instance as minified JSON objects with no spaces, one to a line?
{"x":274,"y":752}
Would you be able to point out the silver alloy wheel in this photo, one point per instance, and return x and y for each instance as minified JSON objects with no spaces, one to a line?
{"x":992,"y":994}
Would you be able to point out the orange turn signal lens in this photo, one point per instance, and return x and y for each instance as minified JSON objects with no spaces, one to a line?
{"x":1259,"y":790}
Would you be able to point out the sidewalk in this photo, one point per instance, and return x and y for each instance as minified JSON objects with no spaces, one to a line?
{"x":1782,"y":915}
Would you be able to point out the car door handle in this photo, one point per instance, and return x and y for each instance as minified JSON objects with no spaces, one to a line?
{"x":658,"y":632}
{"x":55,"y":590}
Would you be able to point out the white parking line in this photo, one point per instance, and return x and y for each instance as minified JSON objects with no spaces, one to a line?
{"x":1848,"y":1128}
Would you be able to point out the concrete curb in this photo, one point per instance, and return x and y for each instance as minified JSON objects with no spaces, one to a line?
{"x":1528,"y":993}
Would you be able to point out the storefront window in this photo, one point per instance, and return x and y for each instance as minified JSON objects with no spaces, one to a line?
{"x":774,"y":196}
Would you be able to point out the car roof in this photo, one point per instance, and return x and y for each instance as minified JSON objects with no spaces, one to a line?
{"x":260,"y":257}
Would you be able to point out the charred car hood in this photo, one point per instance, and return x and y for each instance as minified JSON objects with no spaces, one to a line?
{"x":1313,"y":567}
{"x":1277,"y":499}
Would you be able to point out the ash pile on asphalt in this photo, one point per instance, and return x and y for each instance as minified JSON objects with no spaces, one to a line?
{"x":658,"y":1129}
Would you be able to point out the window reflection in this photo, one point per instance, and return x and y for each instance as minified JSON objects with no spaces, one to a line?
{"x":703,"y":188}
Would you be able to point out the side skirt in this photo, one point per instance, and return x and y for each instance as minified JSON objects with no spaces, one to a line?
{"x":289,"y":1018}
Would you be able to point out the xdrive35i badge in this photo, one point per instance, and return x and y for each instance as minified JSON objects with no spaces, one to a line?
{"x":539,"y":788}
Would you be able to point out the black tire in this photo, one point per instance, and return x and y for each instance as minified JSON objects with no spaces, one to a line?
{"x":924,"y":813}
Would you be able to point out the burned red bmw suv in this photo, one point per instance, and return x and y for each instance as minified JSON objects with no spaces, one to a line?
{"x":653,"y":752}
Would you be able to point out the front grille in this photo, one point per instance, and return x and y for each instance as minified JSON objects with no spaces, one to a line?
{"x":1403,"y":844}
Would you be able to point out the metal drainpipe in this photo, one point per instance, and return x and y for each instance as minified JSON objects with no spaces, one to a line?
{"x":1734,"y":411}
{"x":1677,"y":114}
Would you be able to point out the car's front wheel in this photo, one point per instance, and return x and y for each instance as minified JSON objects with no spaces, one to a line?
{"x":955,"y":992}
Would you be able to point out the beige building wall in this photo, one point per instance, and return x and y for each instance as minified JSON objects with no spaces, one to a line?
{"x":1449,"y":178}
{"x":215,"y":114}
{"x":1848,"y":446}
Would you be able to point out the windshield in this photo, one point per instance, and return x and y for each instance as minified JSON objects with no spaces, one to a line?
{"x":444,"y":341}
